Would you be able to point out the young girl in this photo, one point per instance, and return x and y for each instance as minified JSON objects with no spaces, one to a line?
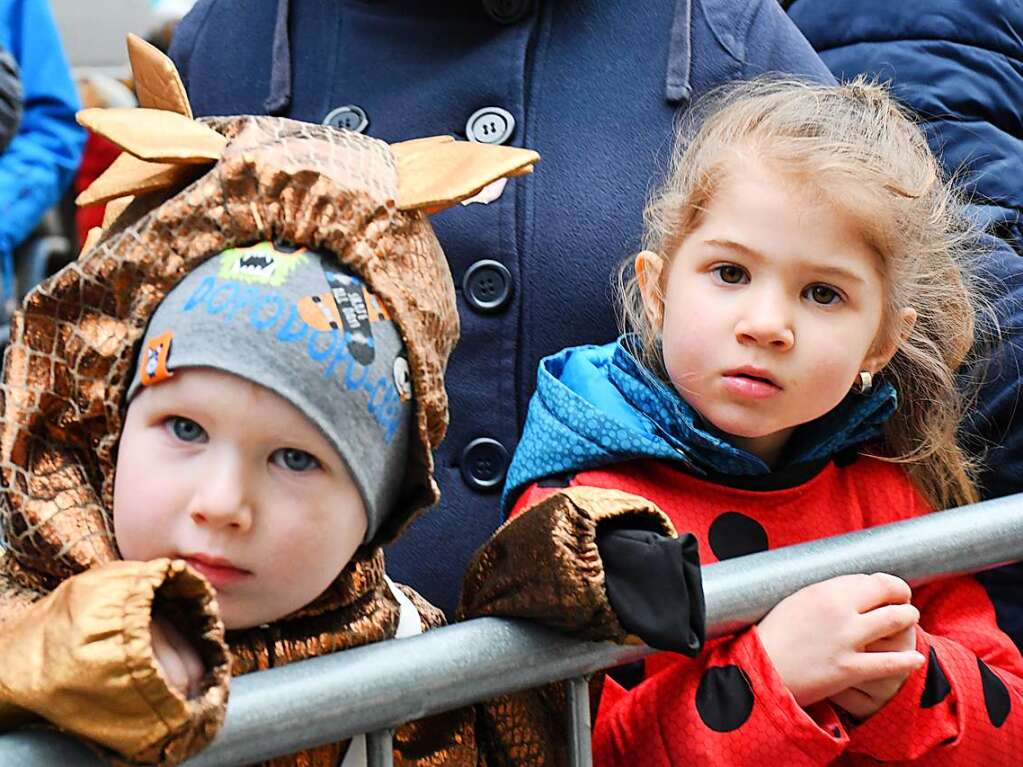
{"x":797,"y":321}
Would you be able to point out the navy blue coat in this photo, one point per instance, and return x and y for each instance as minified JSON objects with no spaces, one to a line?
{"x":593,"y":86}
{"x":960,"y":66}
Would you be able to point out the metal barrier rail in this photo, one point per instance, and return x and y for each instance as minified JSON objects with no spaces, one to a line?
{"x":376,"y":688}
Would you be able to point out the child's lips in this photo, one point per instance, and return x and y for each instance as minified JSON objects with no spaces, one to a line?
{"x":752,"y":383}
{"x":217,"y":570}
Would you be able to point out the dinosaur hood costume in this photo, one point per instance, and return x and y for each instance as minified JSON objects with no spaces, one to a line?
{"x":73,"y":616}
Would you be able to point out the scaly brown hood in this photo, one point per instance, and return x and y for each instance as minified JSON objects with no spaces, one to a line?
{"x":196,"y":188}
{"x":184,"y":191}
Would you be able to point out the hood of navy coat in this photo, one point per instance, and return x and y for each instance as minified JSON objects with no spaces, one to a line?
{"x":677,"y":81}
{"x":959,"y":65}
{"x":597,"y":405}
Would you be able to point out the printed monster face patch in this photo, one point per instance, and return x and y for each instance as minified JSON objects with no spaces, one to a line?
{"x":265,"y":263}
{"x":349,"y":306}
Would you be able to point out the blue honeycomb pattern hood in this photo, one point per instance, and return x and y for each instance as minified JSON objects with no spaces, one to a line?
{"x":597,"y":405}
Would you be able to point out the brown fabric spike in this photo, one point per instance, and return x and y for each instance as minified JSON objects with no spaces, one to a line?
{"x":157,"y":82}
{"x":155,"y":135}
{"x":114,"y":209}
{"x":92,"y":238}
{"x":438,"y":172}
{"x":128,"y":175}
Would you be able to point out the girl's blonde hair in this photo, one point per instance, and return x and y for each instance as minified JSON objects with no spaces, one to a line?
{"x":861,"y":150}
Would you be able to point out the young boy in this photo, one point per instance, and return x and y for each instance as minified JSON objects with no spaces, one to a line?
{"x":216,"y":417}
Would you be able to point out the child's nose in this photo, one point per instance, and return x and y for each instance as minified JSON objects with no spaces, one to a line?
{"x":238,"y":518}
{"x":766,"y":321}
{"x":221,"y":500}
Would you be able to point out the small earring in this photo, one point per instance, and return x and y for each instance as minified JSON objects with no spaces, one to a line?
{"x":866,"y":381}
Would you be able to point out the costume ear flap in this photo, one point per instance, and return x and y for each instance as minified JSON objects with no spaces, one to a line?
{"x":157,"y":82}
{"x":437,"y":172}
{"x":155,"y":135}
{"x":113,"y":210}
{"x":162,"y":144}
{"x":91,"y":239}
{"x":130,"y":175}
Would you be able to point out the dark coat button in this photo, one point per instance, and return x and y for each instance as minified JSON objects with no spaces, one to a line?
{"x":490,"y":125}
{"x":507,"y":11}
{"x":487,"y":286}
{"x":350,"y":117}
{"x":484,"y":463}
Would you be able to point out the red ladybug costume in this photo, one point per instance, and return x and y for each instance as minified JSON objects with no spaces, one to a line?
{"x":728,"y":706}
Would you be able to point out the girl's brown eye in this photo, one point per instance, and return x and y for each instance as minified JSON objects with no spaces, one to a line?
{"x":730,"y":274}
{"x":822,"y":294}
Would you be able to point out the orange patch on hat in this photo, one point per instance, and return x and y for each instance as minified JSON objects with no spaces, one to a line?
{"x":154,"y":364}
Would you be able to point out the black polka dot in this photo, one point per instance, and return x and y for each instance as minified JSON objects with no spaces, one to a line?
{"x":558,"y":480}
{"x":996,"y":695}
{"x":836,"y":732}
{"x":736,"y":535}
{"x":936,"y":687}
{"x":724,"y":698}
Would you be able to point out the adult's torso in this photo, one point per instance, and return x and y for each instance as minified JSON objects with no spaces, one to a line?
{"x":585,"y":83}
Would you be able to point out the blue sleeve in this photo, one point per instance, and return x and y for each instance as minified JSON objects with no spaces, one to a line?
{"x":42,"y":158}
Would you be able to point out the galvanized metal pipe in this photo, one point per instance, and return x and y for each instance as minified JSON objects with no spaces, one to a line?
{"x":326,"y":699}
{"x":379,"y":749}
{"x":44,"y":748}
{"x":580,"y":750}
{"x":739,"y":592}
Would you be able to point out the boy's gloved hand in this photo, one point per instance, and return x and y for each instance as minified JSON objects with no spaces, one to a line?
{"x":83,"y":657}
{"x":654,"y":585}
{"x":177,"y":658}
{"x":848,"y":632}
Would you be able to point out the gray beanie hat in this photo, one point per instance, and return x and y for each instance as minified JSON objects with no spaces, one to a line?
{"x":299,"y":324}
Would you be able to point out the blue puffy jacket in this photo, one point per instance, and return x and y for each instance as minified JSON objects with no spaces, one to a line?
{"x":42,"y":158}
{"x":960,"y":66}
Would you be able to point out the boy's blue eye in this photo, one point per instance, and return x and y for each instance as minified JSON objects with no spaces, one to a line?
{"x":186,"y":429}
{"x":822,"y":294}
{"x":730,"y":274}
{"x":293,"y":459}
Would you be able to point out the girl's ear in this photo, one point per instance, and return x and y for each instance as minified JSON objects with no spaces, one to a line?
{"x":649,"y":266}
{"x":880,"y":357}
